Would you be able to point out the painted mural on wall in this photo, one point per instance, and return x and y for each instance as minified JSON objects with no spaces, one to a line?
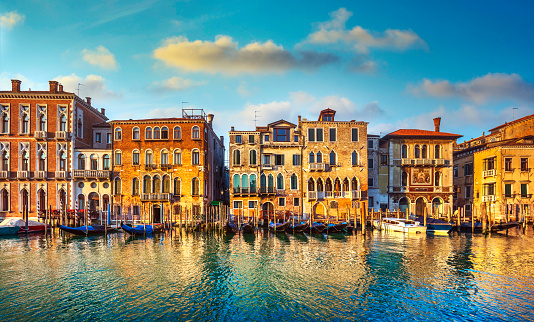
{"x":422,"y":176}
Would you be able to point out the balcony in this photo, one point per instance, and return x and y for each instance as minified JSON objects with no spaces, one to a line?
{"x":267,"y":167}
{"x":489,"y":173}
{"x":40,"y":174}
{"x":407,"y":161}
{"x":526,"y":196}
{"x":40,"y":135}
{"x":21,"y":175}
{"x":61,"y":135}
{"x":317,"y":167}
{"x":156,"y":196}
{"x":149,"y":167}
{"x":356,"y":194}
{"x":312,"y":195}
{"x":4,"y":174}
{"x":165,"y":166}
{"x":328,"y":194}
{"x":267,"y":190}
{"x":245,"y":191}
{"x":488,"y":198}
{"x":399,"y":189}
{"x":440,"y":162}
{"x":61,"y":175}
{"x":424,"y":161}
{"x":92,"y":174}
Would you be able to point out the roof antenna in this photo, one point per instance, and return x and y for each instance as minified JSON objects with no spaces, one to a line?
{"x":513,"y":112}
{"x":183,"y":104}
{"x":256,"y":118}
{"x":79,"y":88}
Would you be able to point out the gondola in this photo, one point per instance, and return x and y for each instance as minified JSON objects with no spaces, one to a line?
{"x":336,"y":227}
{"x":9,"y":230}
{"x":230,"y":227}
{"x":505,"y":226}
{"x":88,"y":230}
{"x":141,"y":229}
{"x":317,"y":228}
{"x":468,"y":227}
{"x":248,"y":228}
{"x":278,"y":227}
{"x":298,"y":227}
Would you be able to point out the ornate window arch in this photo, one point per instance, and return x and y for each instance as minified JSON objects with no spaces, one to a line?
{"x":136,"y":133}
{"x":148,"y":133}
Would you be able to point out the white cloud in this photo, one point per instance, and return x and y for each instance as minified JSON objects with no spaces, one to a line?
{"x":175,"y":111}
{"x":93,"y":86}
{"x":496,"y":86}
{"x":101,"y":57}
{"x":176,"y":84}
{"x":10,"y":19}
{"x":224,"y":56}
{"x":5,"y":82}
{"x":360,"y":39}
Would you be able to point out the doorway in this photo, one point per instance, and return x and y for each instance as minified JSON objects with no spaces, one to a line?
{"x":156,"y":214}
{"x":420,"y":205}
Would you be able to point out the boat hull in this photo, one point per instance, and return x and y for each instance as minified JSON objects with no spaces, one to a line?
{"x":230,"y":228}
{"x":398,"y":228}
{"x":278,"y":228}
{"x":439,"y":228}
{"x":317,"y":228}
{"x":297,"y":228}
{"x":141,"y":229}
{"x":248,"y":228}
{"x":90,"y":231}
{"x":9,"y":230}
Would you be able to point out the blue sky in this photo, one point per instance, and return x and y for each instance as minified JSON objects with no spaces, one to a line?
{"x":394,"y":64}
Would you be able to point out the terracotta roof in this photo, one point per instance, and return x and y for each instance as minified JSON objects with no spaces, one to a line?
{"x":513,"y":122}
{"x":418,"y":133}
{"x":168,"y":119}
{"x":102,"y":124}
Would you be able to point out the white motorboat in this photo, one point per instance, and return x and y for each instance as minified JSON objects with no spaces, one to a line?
{"x":400,"y":225}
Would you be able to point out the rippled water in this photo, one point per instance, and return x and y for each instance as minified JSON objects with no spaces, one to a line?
{"x":263,"y":277}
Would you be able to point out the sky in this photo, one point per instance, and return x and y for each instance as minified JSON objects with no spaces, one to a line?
{"x":394,"y":64}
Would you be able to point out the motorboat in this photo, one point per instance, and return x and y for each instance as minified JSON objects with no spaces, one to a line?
{"x":435,"y":226}
{"x":400,"y":225}
{"x":33,"y":226}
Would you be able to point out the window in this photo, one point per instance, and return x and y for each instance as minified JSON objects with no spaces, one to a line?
{"x":195,"y":134}
{"x":437,"y":151}
{"x":98,"y":137}
{"x":177,"y":133}
{"x":62,"y":111}
{"x":164,"y":157}
{"x":371,"y":182}
{"x":42,"y":161}
{"x":94,"y":162}
{"x":25,"y":161}
{"x":252,"y":157}
{"x":252,"y":204}
{"x":296,"y":202}
{"x":281,"y":135}
{"x":332,"y":158}
{"x":177,"y":157}
{"x":315,"y":135}
{"x":118,"y":134}
{"x":166,"y":184}
{"x":195,"y":187}
{"x":417,"y":152}
{"x":108,"y":138}
{"x":508,"y":164}
{"x":296,"y":159}
{"x":280,"y":182}
{"x":164,"y":133}
{"x":281,"y":202}
{"x":437,"y":178}
{"x":41,"y":119}
{"x":25,"y":119}
{"x":404,"y":151}
{"x":251,"y":139}
{"x":371,"y":202}
{"x":488,"y":189}
{"x":507,"y":190}
{"x":296,"y":138}
{"x":404,"y":179}
{"x":266,"y":138}
{"x":468,"y":169}
{"x":370,"y":144}
{"x":135,"y":133}
{"x":63,"y":161}
{"x":148,"y":157}
{"x":80,"y":128}
{"x":238,"y":139}
{"x":5,"y":200}
{"x":4,"y":109}
{"x":177,"y":186}
{"x":468,"y":192}
{"x":146,"y":184}
{"x":524,"y":164}
{"x":424,"y":151}
{"x":455,"y":171}
{"x":156,"y":133}
{"x":370,"y":163}
{"x":135,"y":157}
{"x":327,"y":118}
{"x":148,"y":133}
{"x":489,"y":164}
{"x":135,"y":187}
{"x":118,"y":186}
{"x":266,"y":159}
{"x":195,"y":157}
{"x":354,"y":157}
{"x":237,"y":157}
{"x":106,"y":162}
{"x":278,"y":159}
{"x":354,"y":135}
{"x":293,"y":182}
{"x":383,"y":159}
{"x":333,"y":135}
{"x":319,"y":157}
{"x":312,"y":157}
{"x":81,"y":162}
{"x":118,"y":158}
{"x":524,"y":190}
{"x":5,"y":161}
{"x":311,"y":135}
{"x":238,"y":204}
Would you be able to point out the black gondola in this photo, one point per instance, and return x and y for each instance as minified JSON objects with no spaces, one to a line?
{"x":468,"y":227}
{"x":298,"y":227}
{"x":278,"y":227}
{"x":505,"y":226}
{"x":248,"y":228}
{"x":317,"y":228}
{"x":336,"y":228}
{"x":89,"y":230}
{"x":230,"y":227}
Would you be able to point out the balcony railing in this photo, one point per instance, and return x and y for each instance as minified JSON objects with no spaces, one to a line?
{"x":40,"y":135}
{"x":40,"y":174}
{"x":61,"y":175}
{"x":317,"y":167}
{"x":4,"y":174}
{"x":155,"y":196}
{"x":99,"y":174}
{"x":406,"y":161}
{"x":356,"y":194}
{"x":312,"y":195}
{"x":23,"y":174}
{"x":267,"y":190}
{"x":488,"y":198}
{"x":149,"y":167}
{"x":165,"y":166}
{"x":61,"y":135}
{"x":489,"y":173}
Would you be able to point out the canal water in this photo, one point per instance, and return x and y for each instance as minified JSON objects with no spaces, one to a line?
{"x":266,"y":277}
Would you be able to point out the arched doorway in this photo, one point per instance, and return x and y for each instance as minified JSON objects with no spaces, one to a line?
{"x":318,"y":211}
{"x":437,"y":207}
{"x":93,"y":202}
{"x":267,"y":210}
{"x":420,"y":205}
{"x":156,"y":214}
{"x":41,"y":196}
{"x":25,"y":200}
{"x":404,"y":204}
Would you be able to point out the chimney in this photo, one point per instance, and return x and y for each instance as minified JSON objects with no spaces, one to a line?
{"x":15,"y":85}
{"x":53,"y":86}
{"x":232,"y":129}
{"x":437,"y":122}
{"x":222,"y":139}
{"x":60,"y":88}
{"x":88,"y":99}
{"x":103,"y":111}
{"x":210,"y":118}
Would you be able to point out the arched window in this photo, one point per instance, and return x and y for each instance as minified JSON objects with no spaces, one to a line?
{"x":118,"y":134}
{"x":237,"y":183}
{"x":63,"y":161}
{"x":437,"y":179}
{"x":244,"y":181}
{"x":195,"y":134}
{"x":177,"y":186}
{"x":354,"y":158}
{"x":164,"y":157}
{"x":346,"y":185}
{"x":148,"y":157}
{"x":94,"y":162}
{"x":252,"y":158}
{"x":25,"y":124}
{"x":5,"y":200}
{"x":5,"y":161}
{"x":164,"y":133}
{"x":320,"y":185}
{"x":263,"y":182}
{"x":404,"y":179}
{"x":146,"y":184}
{"x":312,"y":157}
{"x":293,"y":182}
{"x":195,"y":157}
{"x":319,"y":157}
{"x":311,"y":185}
{"x":63,"y":123}
{"x":177,"y":157}
{"x":5,"y":120}
{"x":156,"y":133}
{"x":25,"y":161}
{"x":80,"y":128}
{"x":253,"y":183}
{"x":25,"y":199}
{"x":156,"y":184}
{"x":328,"y":185}
{"x":135,"y":157}
{"x":404,"y":151}
{"x":195,"y":187}
{"x":136,"y":133}
{"x":41,"y":199}
{"x":424,"y":153}
{"x":437,"y":151}
{"x":106,"y":162}
{"x":42,"y":122}
{"x":118,"y":186}
{"x":177,"y":133}
{"x":417,"y":152}
{"x":166,"y":184}
{"x":42,"y":161}
{"x":148,"y":133}
{"x":270,"y":181}
{"x":135,"y":187}
{"x":81,"y":162}
{"x":337,"y":186}
{"x":237,"y":157}
{"x":354,"y":184}
{"x":332,"y":158}
{"x":280,"y":182}
{"x":62,"y":199}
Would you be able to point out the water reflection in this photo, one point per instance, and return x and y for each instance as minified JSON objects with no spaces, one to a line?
{"x":265,"y":276}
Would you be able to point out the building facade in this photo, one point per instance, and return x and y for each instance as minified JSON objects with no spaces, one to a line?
{"x":164,"y":166}
{"x":39,"y":133}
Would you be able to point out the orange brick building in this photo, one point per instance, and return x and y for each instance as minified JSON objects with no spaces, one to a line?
{"x":170,"y":162}
{"x":39,"y":131}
